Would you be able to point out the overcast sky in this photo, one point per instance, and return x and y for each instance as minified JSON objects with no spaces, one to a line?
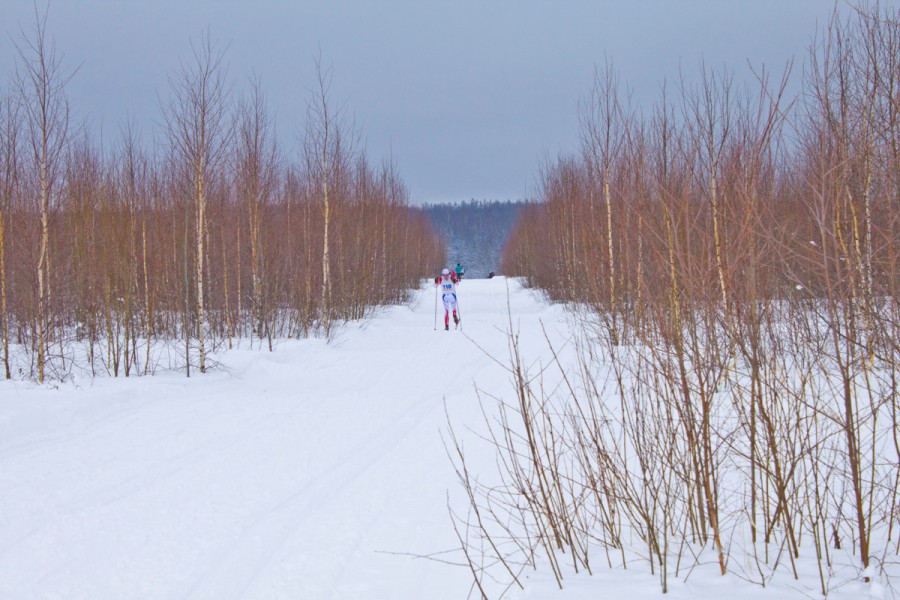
{"x":469,"y":97}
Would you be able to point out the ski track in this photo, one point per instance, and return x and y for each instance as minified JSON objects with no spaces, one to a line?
{"x":304,"y":473}
{"x":245,"y":561}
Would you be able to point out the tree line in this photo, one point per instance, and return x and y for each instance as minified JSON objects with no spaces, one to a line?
{"x":735,"y":257}
{"x":111,"y":252}
{"x":475,"y":231}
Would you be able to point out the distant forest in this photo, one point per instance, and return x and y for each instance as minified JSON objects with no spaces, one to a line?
{"x":475,"y":232}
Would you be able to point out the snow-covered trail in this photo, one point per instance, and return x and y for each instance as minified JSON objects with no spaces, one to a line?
{"x":310,"y":472}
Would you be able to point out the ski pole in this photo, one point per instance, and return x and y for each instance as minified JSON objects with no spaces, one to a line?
{"x":435,"y":307}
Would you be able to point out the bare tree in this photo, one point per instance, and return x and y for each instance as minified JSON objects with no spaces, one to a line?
{"x":198,"y":135}
{"x":256,"y":174}
{"x":603,"y":125}
{"x":9,"y":184}
{"x":328,"y":149}
{"x":710,"y":123}
{"x":41,"y":81}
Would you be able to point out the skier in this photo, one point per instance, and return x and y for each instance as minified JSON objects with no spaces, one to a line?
{"x":460,"y":271}
{"x":447,"y":282}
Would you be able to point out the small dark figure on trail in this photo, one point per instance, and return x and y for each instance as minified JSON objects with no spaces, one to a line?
{"x":491,"y":275}
{"x":460,"y":271}
{"x":447,"y":282}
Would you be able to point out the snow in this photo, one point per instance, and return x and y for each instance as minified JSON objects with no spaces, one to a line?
{"x":315,"y":471}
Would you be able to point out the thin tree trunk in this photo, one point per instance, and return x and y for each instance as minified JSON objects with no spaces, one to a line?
{"x":4,"y":318}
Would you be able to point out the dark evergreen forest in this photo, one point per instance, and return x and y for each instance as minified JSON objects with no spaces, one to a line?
{"x":475,"y":232}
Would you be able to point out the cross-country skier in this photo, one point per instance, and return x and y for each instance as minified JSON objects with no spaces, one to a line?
{"x":447,"y":282}
{"x":460,"y":271}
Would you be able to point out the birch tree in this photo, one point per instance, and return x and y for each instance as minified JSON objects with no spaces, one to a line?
{"x":256,"y":179}
{"x":198,"y":135}
{"x":41,"y":81}
{"x":328,"y":147}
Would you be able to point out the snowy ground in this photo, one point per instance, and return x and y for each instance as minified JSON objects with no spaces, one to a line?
{"x":316,"y":471}
{"x":311,"y":472}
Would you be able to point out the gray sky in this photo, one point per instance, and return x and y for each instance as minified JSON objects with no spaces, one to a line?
{"x":468,"y":96}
